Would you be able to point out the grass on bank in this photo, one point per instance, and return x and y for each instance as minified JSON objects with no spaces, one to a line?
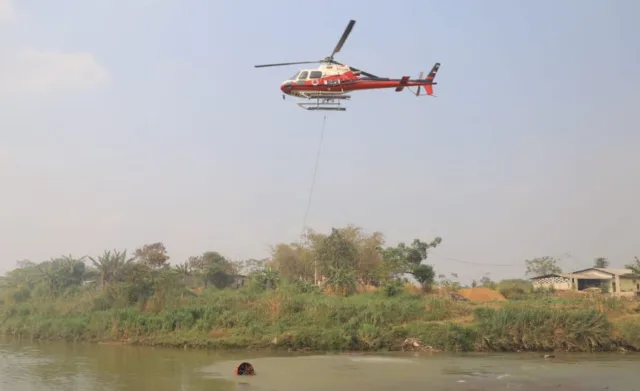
{"x":286,"y":319}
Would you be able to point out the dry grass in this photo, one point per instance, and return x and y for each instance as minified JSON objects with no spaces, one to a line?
{"x":220,"y":332}
{"x":414,"y":290}
{"x":366,"y":288}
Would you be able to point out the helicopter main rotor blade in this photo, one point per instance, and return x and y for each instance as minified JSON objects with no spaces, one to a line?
{"x":344,"y":37}
{"x":286,"y":63}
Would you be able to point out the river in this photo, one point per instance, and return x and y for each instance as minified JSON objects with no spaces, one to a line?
{"x":32,"y":366}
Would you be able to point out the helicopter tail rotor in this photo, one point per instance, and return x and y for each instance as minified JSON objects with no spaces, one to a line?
{"x":429,"y":83}
{"x":430,"y":77}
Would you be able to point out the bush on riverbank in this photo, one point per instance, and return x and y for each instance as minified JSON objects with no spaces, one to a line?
{"x":312,"y":321}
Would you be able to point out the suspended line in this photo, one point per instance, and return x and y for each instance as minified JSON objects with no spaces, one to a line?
{"x":313,"y":180}
{"x":559,"y":256}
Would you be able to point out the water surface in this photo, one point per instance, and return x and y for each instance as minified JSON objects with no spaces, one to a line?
{"x":65,"y":366}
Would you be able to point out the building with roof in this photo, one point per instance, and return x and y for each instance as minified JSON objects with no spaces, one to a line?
{"x":617,"y":282}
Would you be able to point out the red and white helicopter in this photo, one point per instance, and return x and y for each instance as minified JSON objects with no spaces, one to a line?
{"x":332,"y":81}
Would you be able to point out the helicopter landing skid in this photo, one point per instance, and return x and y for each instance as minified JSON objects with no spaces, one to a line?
{"x":325,"y":103}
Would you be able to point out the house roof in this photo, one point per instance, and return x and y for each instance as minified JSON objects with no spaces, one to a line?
{"x":552,"y":275}
{"x":585,"y":275}
{"x":614,"y":272}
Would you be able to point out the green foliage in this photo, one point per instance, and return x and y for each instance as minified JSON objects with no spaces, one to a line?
{"x":486,"y":282}
{"x":265,"y":279}
{"x":203,"y":302}
{"x":393,"y":287}
{"x":543,"y":329}
{"x":111,"y":266}
{"x":635,"y":266}
{"x":337,"y":257}
{"x":408,"y":259}
{"x":213,"y":269}
{"x":542,"y":266}
{"x":281,"y":318}
{"x":628,"y":331}
{"x":516,"y":289}
{"x":451,"y":283}
{"x":601,"y":262}
{"x":153,"y":255}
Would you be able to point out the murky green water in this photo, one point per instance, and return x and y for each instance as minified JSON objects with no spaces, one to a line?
{"x":60,"y":366}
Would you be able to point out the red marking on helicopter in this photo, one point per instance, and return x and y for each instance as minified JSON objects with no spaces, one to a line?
{"x":332,"y":81}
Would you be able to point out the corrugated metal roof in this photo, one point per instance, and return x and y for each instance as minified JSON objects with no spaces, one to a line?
{"x":581,"y":276}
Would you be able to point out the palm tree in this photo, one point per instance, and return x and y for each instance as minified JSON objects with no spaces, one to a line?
{"x":111,"y":265}
{"x":183,"y":270}
{"x":341,"y":280}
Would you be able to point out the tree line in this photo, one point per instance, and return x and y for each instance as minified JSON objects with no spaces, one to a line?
{"x":339,"y":260}
{"x":550,"y":265}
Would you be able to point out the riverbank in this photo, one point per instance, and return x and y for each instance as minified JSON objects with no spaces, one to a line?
{"x":316,"y":322}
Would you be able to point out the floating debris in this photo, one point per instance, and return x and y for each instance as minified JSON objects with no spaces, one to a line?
{"x":414,"y":344}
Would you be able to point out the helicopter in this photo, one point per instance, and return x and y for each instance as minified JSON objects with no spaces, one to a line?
{"x":330,"y":83}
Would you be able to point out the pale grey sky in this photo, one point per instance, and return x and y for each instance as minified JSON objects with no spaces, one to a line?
{"x":125,"y":122}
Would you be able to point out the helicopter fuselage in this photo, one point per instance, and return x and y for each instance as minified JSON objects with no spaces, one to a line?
{"x":337,"y":80}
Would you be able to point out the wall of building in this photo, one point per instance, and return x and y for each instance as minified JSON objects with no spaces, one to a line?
{"x":557,"y":283}
{"x":625,"y":294}
{"x":629,"y":285}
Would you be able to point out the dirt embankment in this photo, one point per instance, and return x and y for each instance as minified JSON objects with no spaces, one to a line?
{"x":481,"y":294}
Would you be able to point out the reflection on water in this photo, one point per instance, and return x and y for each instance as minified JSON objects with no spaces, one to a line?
{"x":59,"y":366}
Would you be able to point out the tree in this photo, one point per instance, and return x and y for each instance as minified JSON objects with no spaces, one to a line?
{"x":368,"y":259}
{"x":111,"y":266}
{"x":154,"y":255}
{"x":487,"y":282}
{"x":252,"y":266}
{"x":449,"y":283}
{"x":408,"y":259}
{"x":265,"y":279}
{"x":62,"y":273}
{"x":542,"y":266}
{"x":601,"y":263}
{"x":293,"y":261}
{"x":337,"y":259}
{"x":213,"y":268}
{"x":335,"y":251}
{"x":184,"y":271}
{"x":635,"y":267}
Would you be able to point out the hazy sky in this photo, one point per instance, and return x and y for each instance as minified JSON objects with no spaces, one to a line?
{"x":124,"y":122}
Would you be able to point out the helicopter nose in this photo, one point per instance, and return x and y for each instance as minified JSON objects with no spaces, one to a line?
{"x":285,"y":87}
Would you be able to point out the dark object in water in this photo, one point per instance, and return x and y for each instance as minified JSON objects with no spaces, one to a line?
{"x":245,"y":369}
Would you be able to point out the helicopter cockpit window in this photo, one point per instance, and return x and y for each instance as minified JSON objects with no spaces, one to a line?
{"x":294,"y":76}
{"x":303,"y":75}
{"x":315,"y":75}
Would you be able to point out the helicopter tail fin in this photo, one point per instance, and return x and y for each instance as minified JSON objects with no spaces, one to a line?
{"x":430,"y":77}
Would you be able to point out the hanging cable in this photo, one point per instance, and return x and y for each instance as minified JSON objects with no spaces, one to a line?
{"x":562,"y":255}
{"x":313,"y":180}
